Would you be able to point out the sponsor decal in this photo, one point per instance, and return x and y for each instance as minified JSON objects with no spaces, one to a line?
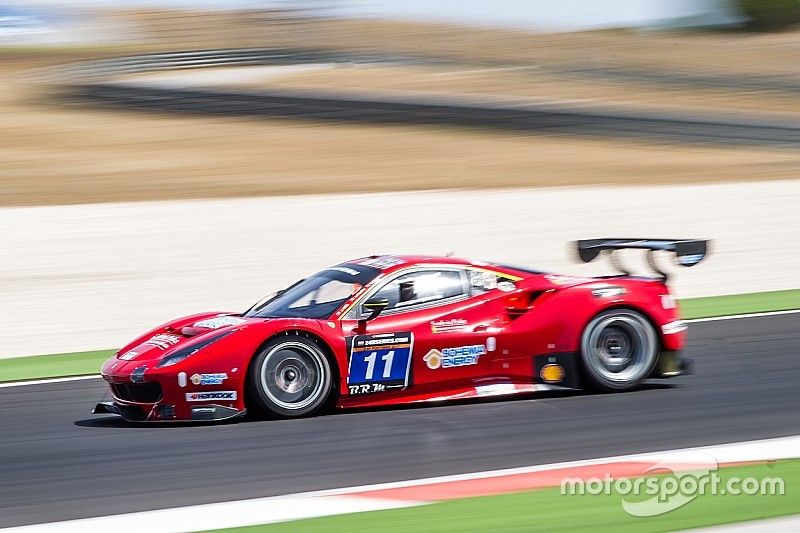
{"x":453,"y":357}
{"x":483,"y":280}
{"x":208,"y":379}
{"x":487,"y":280}
{"x":163,"y":340}
{"x":452,"y":324}
{"x":506,"y":286}
{"x":128,"y":356}
{"x":384,"y":261}
{"x":462,"y":355}
{"x":366,"y":388}
{"x":345,"y":270}
{"x":225,"y":396}
{"x":219,"y":322}
{"x":433,"y":359}
{"x":607,"y":292}
{"x":379,"y":363}
{"x":552,"y":373}
{"x":558,"y":279}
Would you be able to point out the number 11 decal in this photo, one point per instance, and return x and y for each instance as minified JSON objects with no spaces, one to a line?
{"x":380,"y":363}
{"x":387,"y":366}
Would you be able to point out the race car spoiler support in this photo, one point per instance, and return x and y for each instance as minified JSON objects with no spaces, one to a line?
{"x":688,"y":251}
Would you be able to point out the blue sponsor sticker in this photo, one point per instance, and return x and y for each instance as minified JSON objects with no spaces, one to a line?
{"x":208,"y":379}
{"x":380,"y":362}
{"x":453,"y":357}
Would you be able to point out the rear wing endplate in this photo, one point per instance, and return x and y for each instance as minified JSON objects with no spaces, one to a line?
{"x":688,"y":252}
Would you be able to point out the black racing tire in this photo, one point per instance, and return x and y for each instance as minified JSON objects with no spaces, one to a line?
{"x":619,"y":349}
{"x":290,"y":376}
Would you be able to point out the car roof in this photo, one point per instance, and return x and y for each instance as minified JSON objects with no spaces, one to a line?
{"x":389,"y":263}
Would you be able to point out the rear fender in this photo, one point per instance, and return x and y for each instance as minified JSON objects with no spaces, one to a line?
{"x":650,"y":298}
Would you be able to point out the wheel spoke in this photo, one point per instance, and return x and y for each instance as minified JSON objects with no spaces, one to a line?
{"x":292,"y":375}
{"x":619,"y":348}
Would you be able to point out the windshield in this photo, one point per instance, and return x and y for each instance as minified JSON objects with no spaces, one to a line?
{"x":318,"y":296}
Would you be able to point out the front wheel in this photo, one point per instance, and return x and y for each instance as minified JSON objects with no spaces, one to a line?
{"x":290,"y":377}
{"x":619,"y":349}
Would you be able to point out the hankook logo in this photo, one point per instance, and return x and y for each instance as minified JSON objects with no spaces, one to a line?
{"x":208,"y":396}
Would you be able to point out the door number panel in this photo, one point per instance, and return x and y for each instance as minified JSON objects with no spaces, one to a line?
{"x":380,"y":362}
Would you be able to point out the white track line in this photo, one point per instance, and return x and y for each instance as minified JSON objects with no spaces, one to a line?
{"x":351,"y":499}
{"x":44,"y":381}
{"x":767,"y":525}
{"x":746,"y":315}
{"x":689,"y":321}
{"x":220,"y":515}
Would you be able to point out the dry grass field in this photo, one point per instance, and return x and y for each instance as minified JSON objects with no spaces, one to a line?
{"x":53,"y":153}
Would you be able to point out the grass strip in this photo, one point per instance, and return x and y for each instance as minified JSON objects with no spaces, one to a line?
{"x":50,"y":366}
{"x":737,"y":304}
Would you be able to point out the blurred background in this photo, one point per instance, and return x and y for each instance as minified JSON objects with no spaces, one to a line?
{"x":161,"y":157}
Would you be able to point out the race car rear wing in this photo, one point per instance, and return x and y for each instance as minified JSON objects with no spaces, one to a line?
{"x":689,"y":252}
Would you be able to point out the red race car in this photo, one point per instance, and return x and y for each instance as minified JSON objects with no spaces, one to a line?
{"x":398,"y":329}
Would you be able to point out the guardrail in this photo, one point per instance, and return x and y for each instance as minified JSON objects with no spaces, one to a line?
{"x":102,"y":68}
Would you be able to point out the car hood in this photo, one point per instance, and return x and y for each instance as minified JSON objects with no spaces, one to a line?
{"x":161,"y":343}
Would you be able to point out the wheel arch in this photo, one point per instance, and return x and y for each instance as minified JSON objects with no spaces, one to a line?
{"x":327,"y":350}
{"x":622,"y":306}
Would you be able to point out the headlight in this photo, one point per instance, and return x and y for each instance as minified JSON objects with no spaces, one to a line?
{"x":179,"y":355}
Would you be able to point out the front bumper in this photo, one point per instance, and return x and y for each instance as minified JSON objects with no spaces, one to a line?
{"x":155,"y":413}
{"x":141,"y":393}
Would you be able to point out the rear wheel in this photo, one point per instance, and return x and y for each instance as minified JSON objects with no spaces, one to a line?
{"x":619,"y":349}
{"x":290,"y":377}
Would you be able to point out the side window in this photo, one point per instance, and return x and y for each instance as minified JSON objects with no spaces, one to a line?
{"x":328,"y":292}
{"x":483,"y":281}
{"x":422,"y":287}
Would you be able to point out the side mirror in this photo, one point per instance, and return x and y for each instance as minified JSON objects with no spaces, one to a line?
{"x":375,"y":306}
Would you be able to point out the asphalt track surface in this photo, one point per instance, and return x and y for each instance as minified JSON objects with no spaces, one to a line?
{"x":89,"y":83}
{"x":57,"y":462}
{"x":538,"y":119}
